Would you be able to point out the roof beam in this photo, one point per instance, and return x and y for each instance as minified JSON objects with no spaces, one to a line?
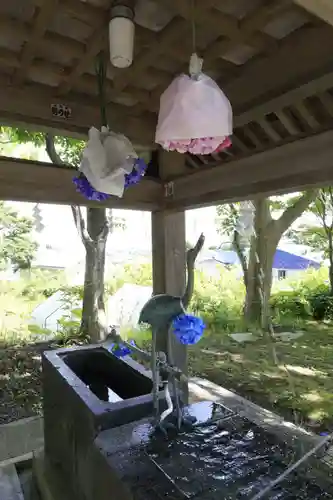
{"x":320,"y":8}
{"x":270,"y":131}
{"x":165,"y":38}
{"x":303,"y":53}
{"x":87,"y":83}
{"x":290,"y":166}
{"x":40,"y":25}
{"x":222,"y":23}
{"x":24,"y":180}
{"x":307,"y":116}
{"x":287,"y":122}
{"x":244,"y":32}
{"x":287,"y":184}
{"x":33,"y":105}
{"x":93,"y":47}
{"x":315,"y":86}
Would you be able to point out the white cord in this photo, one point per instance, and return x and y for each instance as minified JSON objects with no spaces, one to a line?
{"x":169,"y":403}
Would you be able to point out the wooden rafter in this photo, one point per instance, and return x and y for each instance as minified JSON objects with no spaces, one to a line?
{"x":243,"y":32}
{"x":33,"y":105}
{"x":222,"y":23}
{"x":40,"y":25}
{"x":238,"y":143}
{"x":270,"y":131}
{"x":93,"y":47}
{"x":86,"y":83}
{"x":263,"y":15}
{"x":306,"y":52}
{"x":287,"y":122}
{"x":253,"y":137}
{"x":320,"y":8}
{"x":327,"y":101}
{"x":164,"y":39}
{"x":316,"y":85}
{"x":306,"y":114}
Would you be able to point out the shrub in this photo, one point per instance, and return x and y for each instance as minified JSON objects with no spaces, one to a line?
{"x":321,"y":303}
{"x":219,"y":300}
{"x":312,"y":288}
{"x":289,"y":304}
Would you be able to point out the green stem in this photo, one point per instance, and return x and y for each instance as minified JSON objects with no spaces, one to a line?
{"x":101,"y":77}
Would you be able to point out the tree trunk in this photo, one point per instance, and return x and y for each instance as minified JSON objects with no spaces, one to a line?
{"x":330,"y":256}
{"x":93,"y":310}
{"x":262,"y":251}
{"x":94,"y":236}
{"x":268,"y":233}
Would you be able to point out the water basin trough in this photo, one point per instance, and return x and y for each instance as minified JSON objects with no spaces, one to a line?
{"x":99,"y":440}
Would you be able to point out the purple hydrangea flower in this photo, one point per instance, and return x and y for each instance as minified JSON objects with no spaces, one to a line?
{"x":138,"y":171}
{"x":84,"y":187}
{"x":188,"y":329}
{"x":120,"y":350}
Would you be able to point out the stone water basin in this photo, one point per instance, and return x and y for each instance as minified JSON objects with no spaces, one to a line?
{"x":225,"y":456}
{"x":109,"y":378}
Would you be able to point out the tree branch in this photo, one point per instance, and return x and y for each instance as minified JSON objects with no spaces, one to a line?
{"x":191,"y":256}
{"x":322,"y":212}
{"x":238,"y":249}
{"x":51,"y":150}
{"x":105,"y":231}
{"x":81,"y":226}
{"x":76,"y":211}
{"x":294,"y":211}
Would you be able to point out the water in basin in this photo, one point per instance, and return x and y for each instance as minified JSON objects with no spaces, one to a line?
{"x":230,"y":459}
{"x":224,"y":457}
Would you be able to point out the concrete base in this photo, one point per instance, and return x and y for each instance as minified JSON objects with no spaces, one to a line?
{"x":19,"y":439}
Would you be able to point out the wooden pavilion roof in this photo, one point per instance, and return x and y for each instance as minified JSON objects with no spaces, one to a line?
{"x":273,"y":58}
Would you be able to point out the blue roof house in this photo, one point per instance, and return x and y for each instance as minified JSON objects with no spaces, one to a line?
{"x":285,"y":263}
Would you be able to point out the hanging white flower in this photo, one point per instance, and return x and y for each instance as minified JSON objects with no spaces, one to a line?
{"x":107,"y":159}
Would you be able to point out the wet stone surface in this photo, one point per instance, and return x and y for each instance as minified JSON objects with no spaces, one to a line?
{"x":228,"y":458}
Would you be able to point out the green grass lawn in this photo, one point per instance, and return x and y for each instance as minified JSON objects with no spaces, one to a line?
{"x":249,"y":369}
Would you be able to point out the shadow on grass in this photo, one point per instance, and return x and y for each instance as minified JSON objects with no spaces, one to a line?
{"x":250,"y":371}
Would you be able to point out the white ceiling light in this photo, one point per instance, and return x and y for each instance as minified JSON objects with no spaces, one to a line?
{"x":121,"y":36}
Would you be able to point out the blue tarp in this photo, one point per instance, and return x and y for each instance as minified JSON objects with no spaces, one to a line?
{"x":282,"y":260}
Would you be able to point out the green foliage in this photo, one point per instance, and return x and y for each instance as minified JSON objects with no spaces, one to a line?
{"x":289,"y":304}
{"x":16,"y":245}
{"x":219,"y":301}
{"x":321,"y":302}
{"x":70,"y":149}
{"x":226,"y":218}
{"x":319,"y":231}
{"x":227,"y":215}
{"x":21,"y":136}
{"x":309,"y":298}
{"x":140,"y":274}
{"x":69,"y":332}
{"x":42,"y":283}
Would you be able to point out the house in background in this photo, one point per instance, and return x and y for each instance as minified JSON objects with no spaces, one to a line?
{"x":285,"y":265}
